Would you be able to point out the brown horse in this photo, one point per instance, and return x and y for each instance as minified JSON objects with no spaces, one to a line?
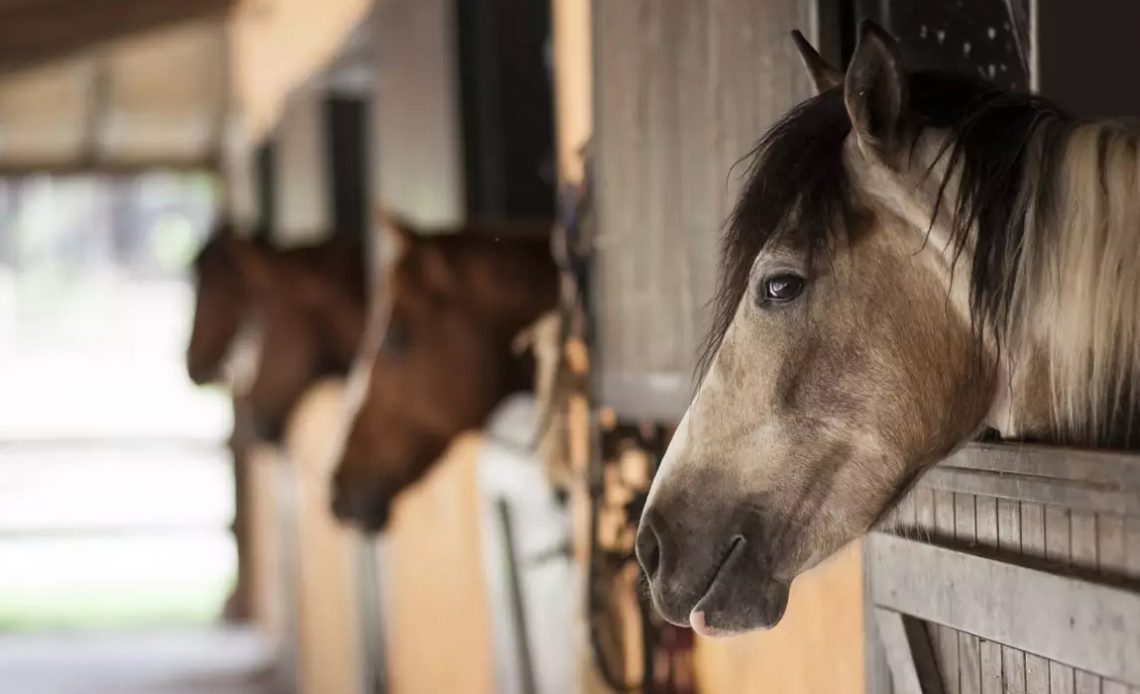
{"x":301,"y":312}
{"x":916,"y":257}
{"x":306,"y":312}
{"x":439,"y":355}
{"x":306,"y":309}
{"x":220,"y":305}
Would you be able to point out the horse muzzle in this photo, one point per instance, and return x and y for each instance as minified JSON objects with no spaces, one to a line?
{"x":718,"y":580}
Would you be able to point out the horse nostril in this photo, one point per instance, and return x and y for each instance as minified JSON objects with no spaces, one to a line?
{"x":648,"y":547}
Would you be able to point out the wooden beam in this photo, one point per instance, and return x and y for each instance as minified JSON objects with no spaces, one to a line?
{"x":1080,"y":496}
{"x":1073,"y":621}
{"x":1119,"y":469}
{"x":908,"y":650}
{"x":38,"y":32}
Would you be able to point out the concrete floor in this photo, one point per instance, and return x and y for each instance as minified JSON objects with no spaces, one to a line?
{"x":206,"y":661}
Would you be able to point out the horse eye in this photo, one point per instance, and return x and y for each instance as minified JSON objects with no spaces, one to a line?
{"x":782,"y":288}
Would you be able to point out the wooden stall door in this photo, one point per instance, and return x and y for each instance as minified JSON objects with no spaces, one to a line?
{"x":438,"y":630}
{"x":1012,"y":569}
{"x":266,"y":586}
{"x":682,"y":91}
{"x":330,"y":653}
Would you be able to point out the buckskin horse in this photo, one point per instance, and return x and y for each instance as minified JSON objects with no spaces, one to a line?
{"x":438,"y":354}
{"x":915,"y":257}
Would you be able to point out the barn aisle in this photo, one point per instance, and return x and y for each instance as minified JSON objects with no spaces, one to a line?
{"x":174,"y":661}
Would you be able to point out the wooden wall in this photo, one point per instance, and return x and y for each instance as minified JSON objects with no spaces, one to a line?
{"x":438,"y":629}
{"x":682,"y":91}
{"x":267,"y":589}
{"x":1021,"y":567}
{"x":330,"y":653}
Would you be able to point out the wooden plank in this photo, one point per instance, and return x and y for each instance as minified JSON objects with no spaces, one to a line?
{"x":1084,"y":555}
{"x":969,"y":655}
{"x":990,"y":662}
{"x":1084,"y":540}
{"x":1058,"y":542}
{"x":1132,"y":547}
{"x":1111,"y":562}
{"x":986,"y":519}
{"x":913,"y":670}
{"x":1009,"y":542}
{"x":1119,"y":470}
{"x":923,"y":512}
{"x":1110,"y":545}
{"x":965,"y":520}
{"x":1132,"y":563}
{"x":1086,"y":683}
{"x":438,"y":581}
{"x":1033,"y":544}
{"x":678,"y":101}
{"x":945,"y":638}
{"x":1071,"y":494}
{"x":1074,"y":621}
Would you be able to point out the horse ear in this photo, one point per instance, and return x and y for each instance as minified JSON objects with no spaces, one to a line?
{"x":875,"y":90}
{"x":822,"y":75}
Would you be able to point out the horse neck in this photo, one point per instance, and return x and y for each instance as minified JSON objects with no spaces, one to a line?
{"x":1076,"y":357}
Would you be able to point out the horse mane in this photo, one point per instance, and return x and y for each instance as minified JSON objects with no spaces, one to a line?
{"x":1049,"y":205}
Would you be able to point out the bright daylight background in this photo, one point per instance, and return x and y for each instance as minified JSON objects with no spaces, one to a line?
{"x":115,"y":490}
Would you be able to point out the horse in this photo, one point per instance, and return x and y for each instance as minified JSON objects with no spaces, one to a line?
{"x":438,"y":356}
{"x":296,"y":314}
{"x":915,"y":258}
{"x":306,"y":306}
{"x":220,"y":303}
{"x":306,"y":313}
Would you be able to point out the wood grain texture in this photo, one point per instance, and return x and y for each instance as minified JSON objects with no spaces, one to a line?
{"x":330,"y":653}
{"x":678,"y":99}
{"x":431,"y":564}
{"x":1070,"y":620}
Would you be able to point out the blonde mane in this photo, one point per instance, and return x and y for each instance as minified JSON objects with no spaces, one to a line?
{"x":1077,"y":287}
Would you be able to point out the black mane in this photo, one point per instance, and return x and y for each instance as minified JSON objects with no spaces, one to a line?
{"x":797,"y":184}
